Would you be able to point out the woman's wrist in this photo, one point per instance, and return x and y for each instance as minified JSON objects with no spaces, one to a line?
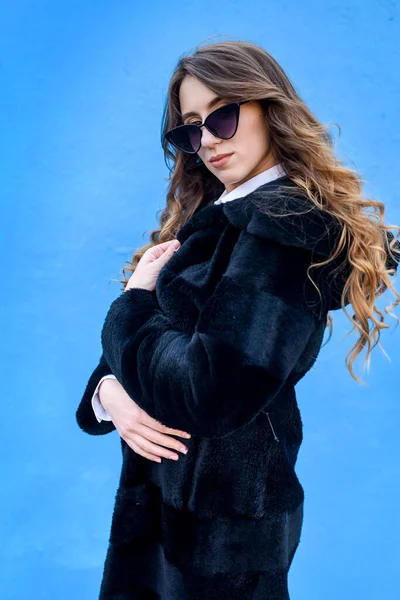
{"x":104,"y":389}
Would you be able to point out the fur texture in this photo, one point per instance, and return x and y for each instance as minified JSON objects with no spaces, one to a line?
{"x":216,"y":350}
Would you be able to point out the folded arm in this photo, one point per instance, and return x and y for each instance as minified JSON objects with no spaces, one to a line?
{"x":249,"y":336}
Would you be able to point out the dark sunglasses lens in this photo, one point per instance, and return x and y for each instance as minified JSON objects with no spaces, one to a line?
{"x":223,"y":121}
{"x":186,"y":138}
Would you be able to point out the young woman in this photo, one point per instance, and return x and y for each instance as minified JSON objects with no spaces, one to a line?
{"x":206,"y":344}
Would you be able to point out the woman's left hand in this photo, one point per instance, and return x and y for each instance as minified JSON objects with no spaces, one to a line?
{"x":151,"y":263}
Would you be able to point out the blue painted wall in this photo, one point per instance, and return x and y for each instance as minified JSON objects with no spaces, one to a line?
{"x":82,"y":179}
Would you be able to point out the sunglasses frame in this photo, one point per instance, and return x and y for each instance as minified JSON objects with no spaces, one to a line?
{"x":204,"y":124}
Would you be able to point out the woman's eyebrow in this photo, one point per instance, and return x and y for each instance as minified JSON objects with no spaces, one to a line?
{"x":212,"y":103}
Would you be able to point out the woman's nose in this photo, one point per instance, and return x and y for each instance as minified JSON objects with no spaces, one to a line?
{"x":207,"y":138}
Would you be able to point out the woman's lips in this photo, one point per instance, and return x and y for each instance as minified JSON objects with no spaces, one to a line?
{"x":222,"y":161}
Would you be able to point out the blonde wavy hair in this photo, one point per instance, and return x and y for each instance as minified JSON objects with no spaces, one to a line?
{"x":238,"y":70}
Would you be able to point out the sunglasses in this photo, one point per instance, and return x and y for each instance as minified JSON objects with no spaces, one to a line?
{"x":222,"y":122}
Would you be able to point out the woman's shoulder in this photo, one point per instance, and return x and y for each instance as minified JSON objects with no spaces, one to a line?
{"x":280,"y":211}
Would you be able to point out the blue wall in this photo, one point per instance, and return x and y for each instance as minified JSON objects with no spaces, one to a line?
{"x":82,"y":179}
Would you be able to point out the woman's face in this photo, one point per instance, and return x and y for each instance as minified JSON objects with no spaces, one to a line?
{"x":250,"y":145}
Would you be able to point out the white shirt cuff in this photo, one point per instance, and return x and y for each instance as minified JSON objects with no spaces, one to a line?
{"x":98,"y":409}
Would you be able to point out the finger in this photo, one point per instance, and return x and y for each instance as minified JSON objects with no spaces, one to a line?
{"x":149,"y":456}
{"x":155,"y":252}
{"x":164,"y":244}
{"x":164,"y":256}
{"x":141,"y":452}
{"x":161,"y":246}
{"x":151,"y":448}
{"x":154,"y":424}
{"x":160,"y":438}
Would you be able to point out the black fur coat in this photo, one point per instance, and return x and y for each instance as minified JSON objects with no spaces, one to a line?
{"x":216,"y":350}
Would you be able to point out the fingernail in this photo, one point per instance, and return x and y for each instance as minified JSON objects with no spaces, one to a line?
{"x":174,"y":457}
{"x":184,"y":449}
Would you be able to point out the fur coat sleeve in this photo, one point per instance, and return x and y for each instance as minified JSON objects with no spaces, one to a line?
{"x":250,"y":334}
{"x":85,"y":416}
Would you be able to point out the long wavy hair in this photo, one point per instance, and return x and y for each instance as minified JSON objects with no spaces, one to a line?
{"x":238,"y":70}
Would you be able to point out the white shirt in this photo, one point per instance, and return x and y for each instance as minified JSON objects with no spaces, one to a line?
{"x":241,"y":190}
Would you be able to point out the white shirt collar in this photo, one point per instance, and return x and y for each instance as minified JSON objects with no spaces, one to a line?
{"x":251,"y":184}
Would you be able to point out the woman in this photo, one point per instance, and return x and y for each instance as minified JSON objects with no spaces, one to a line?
{"x":211,"y":340}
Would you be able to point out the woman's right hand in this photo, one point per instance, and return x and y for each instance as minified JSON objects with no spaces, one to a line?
{"x":143,"y":434}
